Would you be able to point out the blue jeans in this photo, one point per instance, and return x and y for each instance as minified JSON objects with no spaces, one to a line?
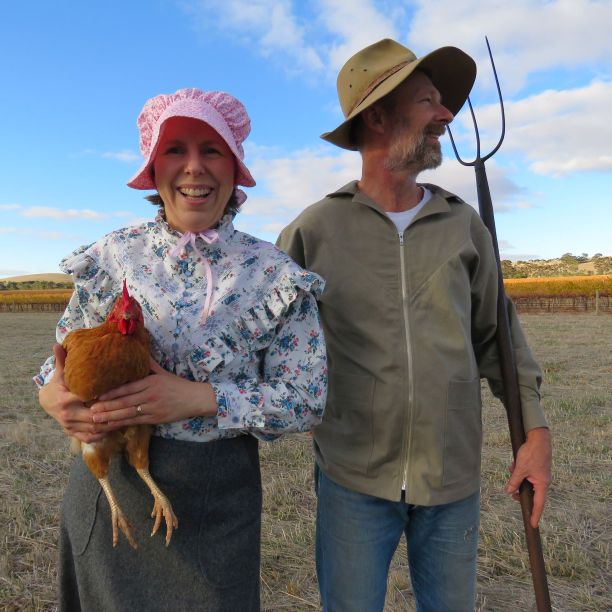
{"x":358,"y":534}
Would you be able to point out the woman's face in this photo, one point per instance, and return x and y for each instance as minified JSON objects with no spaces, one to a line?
{"x":194,"y":174}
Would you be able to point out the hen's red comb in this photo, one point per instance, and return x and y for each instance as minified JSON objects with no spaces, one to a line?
{"x":126,"y":295}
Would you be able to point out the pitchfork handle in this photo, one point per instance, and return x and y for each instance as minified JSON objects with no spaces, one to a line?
{"x":512,"y":398}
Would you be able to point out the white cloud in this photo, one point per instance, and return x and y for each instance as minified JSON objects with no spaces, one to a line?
{"x":49,"y":235}
{"x":288,"y":184}
{"x":527,"y":36}
{"x":519,"y":256}
{"x":357,"y":24}
{"x":557,"y":132}
{"x":505,"y":246}
{"x":8,"y":272}
{"x":303,"y":177}
{"x":49,"y":212}
{"x":506,"y":194}
{"x":129,"y":218}
{"x":39,"y":234}
{"x":270,"y":26}
{"x":59,"y":213}
{"x":126,"y":156}
{"x":307,"y":38}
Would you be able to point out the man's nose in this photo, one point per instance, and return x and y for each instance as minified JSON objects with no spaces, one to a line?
{"x":444,"y":115}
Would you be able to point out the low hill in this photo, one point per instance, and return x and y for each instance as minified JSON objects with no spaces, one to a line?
{"x":566,"y":265}
{"x":51,"y":277}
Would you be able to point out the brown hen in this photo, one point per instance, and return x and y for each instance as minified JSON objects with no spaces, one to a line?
{"x":102,"y":358}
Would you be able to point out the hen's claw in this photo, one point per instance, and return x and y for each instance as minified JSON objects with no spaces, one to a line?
{"x":119,"y":521}
{"x":163,"y":509}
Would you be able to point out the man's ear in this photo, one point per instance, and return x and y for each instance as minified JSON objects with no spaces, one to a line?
{"x":374,"y":118}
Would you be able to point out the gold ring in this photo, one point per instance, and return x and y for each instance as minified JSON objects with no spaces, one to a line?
{"x":139,"y":409}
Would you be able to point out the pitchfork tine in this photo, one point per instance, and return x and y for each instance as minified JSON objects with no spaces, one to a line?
{"x":478,"y":158}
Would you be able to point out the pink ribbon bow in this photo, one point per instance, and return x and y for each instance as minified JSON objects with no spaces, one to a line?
{"x":209,"y":236}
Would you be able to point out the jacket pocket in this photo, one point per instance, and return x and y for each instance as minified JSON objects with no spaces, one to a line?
{"x":346,"y":435}
{"x":462,"y":432}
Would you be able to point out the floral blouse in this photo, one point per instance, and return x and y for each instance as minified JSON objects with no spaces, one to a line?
{"x":253,"y":333}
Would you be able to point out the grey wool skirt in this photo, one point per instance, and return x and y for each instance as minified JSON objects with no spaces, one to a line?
{"x":212,"y":562}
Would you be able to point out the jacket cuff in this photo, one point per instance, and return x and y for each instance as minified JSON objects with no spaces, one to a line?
{"x":533,"y":415}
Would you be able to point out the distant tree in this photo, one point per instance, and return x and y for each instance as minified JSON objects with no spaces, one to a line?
{"x":507,"y":268}
{"x":603,"y":265}
{"x":22,"y":285}
{"x":596,"y":256}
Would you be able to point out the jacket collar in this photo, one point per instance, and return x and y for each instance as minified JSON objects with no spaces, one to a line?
{"x":439,"y":202}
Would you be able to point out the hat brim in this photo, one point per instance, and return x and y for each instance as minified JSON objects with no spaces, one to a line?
{"x":451,"y":70}
{"x":143,"y":179}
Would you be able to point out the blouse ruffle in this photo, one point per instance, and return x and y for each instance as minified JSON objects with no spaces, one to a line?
{"x":264,"y":383}
{"x":256,"y":327}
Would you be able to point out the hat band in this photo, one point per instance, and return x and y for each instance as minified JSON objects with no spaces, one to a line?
{"x":375,"y":83}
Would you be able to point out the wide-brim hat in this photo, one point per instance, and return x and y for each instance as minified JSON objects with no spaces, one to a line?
{"x":224,"y":113}
{"x":377,"y":70}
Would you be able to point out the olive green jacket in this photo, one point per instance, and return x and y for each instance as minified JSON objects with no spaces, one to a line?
{"x":410,"y":330}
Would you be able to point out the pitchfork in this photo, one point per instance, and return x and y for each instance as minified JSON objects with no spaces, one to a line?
{"x":512,"y":398}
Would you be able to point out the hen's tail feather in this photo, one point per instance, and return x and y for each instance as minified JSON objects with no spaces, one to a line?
{"x":75,"y":446}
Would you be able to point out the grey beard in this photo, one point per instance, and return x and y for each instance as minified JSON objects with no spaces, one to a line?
{"x":413,"y":154}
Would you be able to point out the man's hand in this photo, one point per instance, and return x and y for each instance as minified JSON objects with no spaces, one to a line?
{"x":533,"y":462}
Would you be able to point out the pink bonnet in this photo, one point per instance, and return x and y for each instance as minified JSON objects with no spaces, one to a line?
{"x":224,"y":113}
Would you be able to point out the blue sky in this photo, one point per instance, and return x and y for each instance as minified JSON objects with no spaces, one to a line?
{"x":74,"y":76}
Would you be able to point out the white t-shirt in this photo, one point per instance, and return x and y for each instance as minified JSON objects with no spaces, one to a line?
{"x":404,"y":218}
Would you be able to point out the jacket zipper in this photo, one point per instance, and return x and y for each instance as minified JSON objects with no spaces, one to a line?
{"x":409,"y":354}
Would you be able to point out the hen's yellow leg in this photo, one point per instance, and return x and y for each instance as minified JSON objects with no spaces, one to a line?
{"x":118,"y":519}
{"x":161,"y":508}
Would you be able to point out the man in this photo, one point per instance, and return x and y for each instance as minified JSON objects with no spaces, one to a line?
{"x":409,"y":313}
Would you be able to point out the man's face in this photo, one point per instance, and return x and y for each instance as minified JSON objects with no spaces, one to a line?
{"x":418,"y":119}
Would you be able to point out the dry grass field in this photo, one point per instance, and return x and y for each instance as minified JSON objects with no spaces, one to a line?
{"x":574,"y":351}
{"x":562,"y":286}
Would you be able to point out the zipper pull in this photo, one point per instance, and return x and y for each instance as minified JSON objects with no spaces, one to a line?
{"x":401,"y":238}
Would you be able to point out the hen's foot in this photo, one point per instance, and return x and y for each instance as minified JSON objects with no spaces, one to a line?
{"x":120,"y":522}
{"x":163,"y":510}
{"x":118,"y":519}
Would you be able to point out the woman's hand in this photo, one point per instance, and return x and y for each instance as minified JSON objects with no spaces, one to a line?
{"x":161,"y":396}
{"x":65,"y":407}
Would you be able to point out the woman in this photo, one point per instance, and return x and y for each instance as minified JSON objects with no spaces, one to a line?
{"x":238,"y":355}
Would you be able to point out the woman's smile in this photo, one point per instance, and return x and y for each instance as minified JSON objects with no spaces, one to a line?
{"x":194,"y":174}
